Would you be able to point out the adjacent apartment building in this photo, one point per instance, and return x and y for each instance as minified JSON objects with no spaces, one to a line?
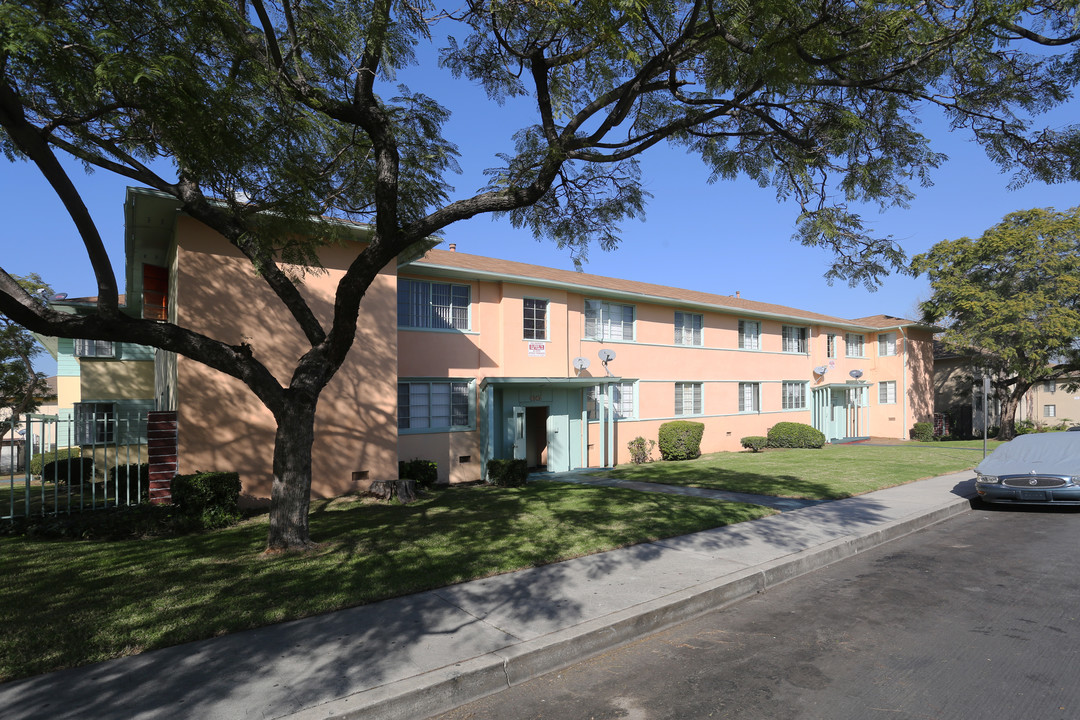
{"x":460,"y":359}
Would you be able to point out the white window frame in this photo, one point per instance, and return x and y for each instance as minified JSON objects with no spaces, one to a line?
{"x":532,"y":326}
{"x":886,"y":344}
{"x":793,"y":395}
{"x":419,"y":306}
{"x":749,"y":397}
{"x":600,"y":320}
{"x":887,"y":392}
{"x":857,"y":341}
{"x":795,"y":339}
{"x":95,"y":422}
{"x":94,"y":348}
{"x":623,"y":403}
{"x":696,"y":392}
{"x":830,"y":345}
{"x":418,"y":415}
{"x":749,"y":340}
{"x":1049,"y":410}
{"x":689,"y":328}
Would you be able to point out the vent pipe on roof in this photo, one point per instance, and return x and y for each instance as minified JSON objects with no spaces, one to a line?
{"x":453,"y":247}
{"x":737,"y":294}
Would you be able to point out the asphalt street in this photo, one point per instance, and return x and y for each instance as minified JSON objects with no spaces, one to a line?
{"x":975,"y":617}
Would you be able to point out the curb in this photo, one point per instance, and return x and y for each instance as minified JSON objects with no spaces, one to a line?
{"x":442,"y":690}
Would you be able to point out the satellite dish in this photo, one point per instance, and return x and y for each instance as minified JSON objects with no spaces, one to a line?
{"x":856,"y":374}
{"x":606,"y":355}
{"x":821,"y":369}
{"x":59,"y":296}
{"x":581,"y":363}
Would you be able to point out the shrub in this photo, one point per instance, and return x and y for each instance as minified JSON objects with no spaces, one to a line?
{"x":681,"y":439}
{"x":75,"y":470}
{"x":38,"y":461}
{"x":640,"y":450}
{"x":1025,"y":427}
{"x":755,"y":442}
{"x":795,"y":435}
{"x":922,"y":431}
{"x":211,"y":497}
{"x":423,"y":472}
{"x":507,"y":473}
{"x":135,"y":472}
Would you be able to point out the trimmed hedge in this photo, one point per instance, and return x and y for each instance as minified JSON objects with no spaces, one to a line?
{"x":757,"y":443}
{"x":922,"y":431}
{"x":38,"y":462}
{"x":681,"y":440}
{"x":795,"y":435}
{"x":63,"y":471}
{"x":423,"y":472}
{"x":213,"y":497}
{"x":507,"y":473}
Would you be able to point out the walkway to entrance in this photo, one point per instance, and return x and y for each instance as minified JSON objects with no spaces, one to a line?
{"x":596,"y":477}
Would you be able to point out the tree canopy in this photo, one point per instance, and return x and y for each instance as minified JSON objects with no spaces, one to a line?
{"x":261,"y":117}
{"x":1013,"y":296}
{"x":21,"y":387}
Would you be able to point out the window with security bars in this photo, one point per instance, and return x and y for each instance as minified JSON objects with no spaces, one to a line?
{"x":434,"y":305}
{"x":794,"y":339}
{"x":688,"y":328}
{"x":433,"y":405}
{"x":608,"y":321}
{"x":886,"y":344}
{"x":854,"y":344}
{"x":688,"y":398}
{"x":1049,"y":410}
{"x":95,"y":423}
{"x":534,"y":320}
{"x":887,"y":392}
{"x":94,"y":348}
{"x":749,"y":335}
{"x":622,"y":401}
{"x":830,"y":346}
{"x":749,"y":397}
{"x":793,"y":396}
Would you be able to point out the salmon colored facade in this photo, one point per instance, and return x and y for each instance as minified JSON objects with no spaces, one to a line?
{"x":460,"y":359}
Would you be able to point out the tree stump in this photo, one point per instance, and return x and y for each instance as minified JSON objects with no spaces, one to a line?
{"x":404,"y":490}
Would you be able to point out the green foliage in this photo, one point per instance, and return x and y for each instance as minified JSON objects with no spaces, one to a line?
{"x":641,"y":450}
{"x":424,"y":472}
{"x":64,"y":470}
{"x":211,"y":497}
{"x":757,"y":443}
{"x":1025,"y":427}
{"x":133,"y":473}
{"x":795,"y":435}
{"x":681,"y":439}
{"x":39,"y":460}
{"x":507,"y":473}
{"x":922,"y":431}
{"x":21,"y":387}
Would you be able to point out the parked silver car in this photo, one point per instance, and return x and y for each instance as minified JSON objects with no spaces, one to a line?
{"x":1038,"y":469}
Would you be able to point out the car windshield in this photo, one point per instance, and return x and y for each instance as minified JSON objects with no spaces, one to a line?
{"x":1056,"y":453}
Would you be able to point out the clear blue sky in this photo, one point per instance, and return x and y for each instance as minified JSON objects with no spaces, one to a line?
{"x":721,"y":238}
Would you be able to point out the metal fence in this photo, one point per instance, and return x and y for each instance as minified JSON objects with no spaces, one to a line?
{"x":54,"y":465}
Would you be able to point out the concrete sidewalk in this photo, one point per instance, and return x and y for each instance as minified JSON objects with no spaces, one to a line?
{"x":415,"y":656}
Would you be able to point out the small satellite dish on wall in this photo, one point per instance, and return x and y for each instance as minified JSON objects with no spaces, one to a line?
{"x":821,"y":369}
{"x":581,"y":363}
{"x":856,"y":374}
{"x":606,"y":355}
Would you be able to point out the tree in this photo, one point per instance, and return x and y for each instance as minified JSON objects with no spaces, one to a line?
{"x":20,"y":385}
{"x":257,"y":117}
{"x":1012,"y":295}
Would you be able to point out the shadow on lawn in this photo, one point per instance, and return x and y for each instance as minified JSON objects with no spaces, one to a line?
{"x":280,"y":669}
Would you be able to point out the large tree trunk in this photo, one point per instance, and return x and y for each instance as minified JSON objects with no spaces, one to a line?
{"x":1008,"y":412}
{"x":290,"y":495}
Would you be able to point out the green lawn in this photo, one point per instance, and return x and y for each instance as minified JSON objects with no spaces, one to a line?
{"x":834,"y":471}
{"x":66,"y":603}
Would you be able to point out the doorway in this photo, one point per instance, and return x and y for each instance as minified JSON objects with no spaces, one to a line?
{"x":536,"y":437}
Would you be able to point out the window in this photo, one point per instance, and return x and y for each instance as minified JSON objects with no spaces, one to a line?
{"x":886,"y":344}
{"x":886,"y":392}
{"x":749,"y":335}
{"x":830,"y":345}
{"x":1049,"y":410}
{"x":1050,"y":386}
{"x":535,"y":319}
{"x":794,"y":396}
{"x":608,"y":321}
{"x":94,"y":348}
{"x":854,"y":342}
{"x":688,"y":398}
{"x":622,"y":405}
{"x":688,"y":328}
{"x":155,"y":297}
{"x":433,"y":405}
{"x":749,"y":397}
{"x":95,"y":423}
{"x":794,"y":338}
{"x":440,"y":306}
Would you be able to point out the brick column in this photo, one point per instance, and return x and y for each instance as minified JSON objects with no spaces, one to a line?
{"x":161,"y":451}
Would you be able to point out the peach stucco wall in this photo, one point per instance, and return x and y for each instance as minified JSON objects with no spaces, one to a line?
{"x":223,"y":426}
{"x":493,"y":347}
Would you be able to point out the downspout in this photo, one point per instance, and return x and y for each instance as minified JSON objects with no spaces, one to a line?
{"x":903,"y":428}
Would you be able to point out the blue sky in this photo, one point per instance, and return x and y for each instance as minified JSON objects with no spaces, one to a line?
{"x":720,"y":238}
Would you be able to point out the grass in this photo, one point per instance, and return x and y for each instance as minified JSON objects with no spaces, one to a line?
{"x":832,"y":472}
{"x":67,"y":603}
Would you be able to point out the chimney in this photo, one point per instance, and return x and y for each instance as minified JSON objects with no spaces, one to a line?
{"x":453,"y":247}
{"x":736,"y":292}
